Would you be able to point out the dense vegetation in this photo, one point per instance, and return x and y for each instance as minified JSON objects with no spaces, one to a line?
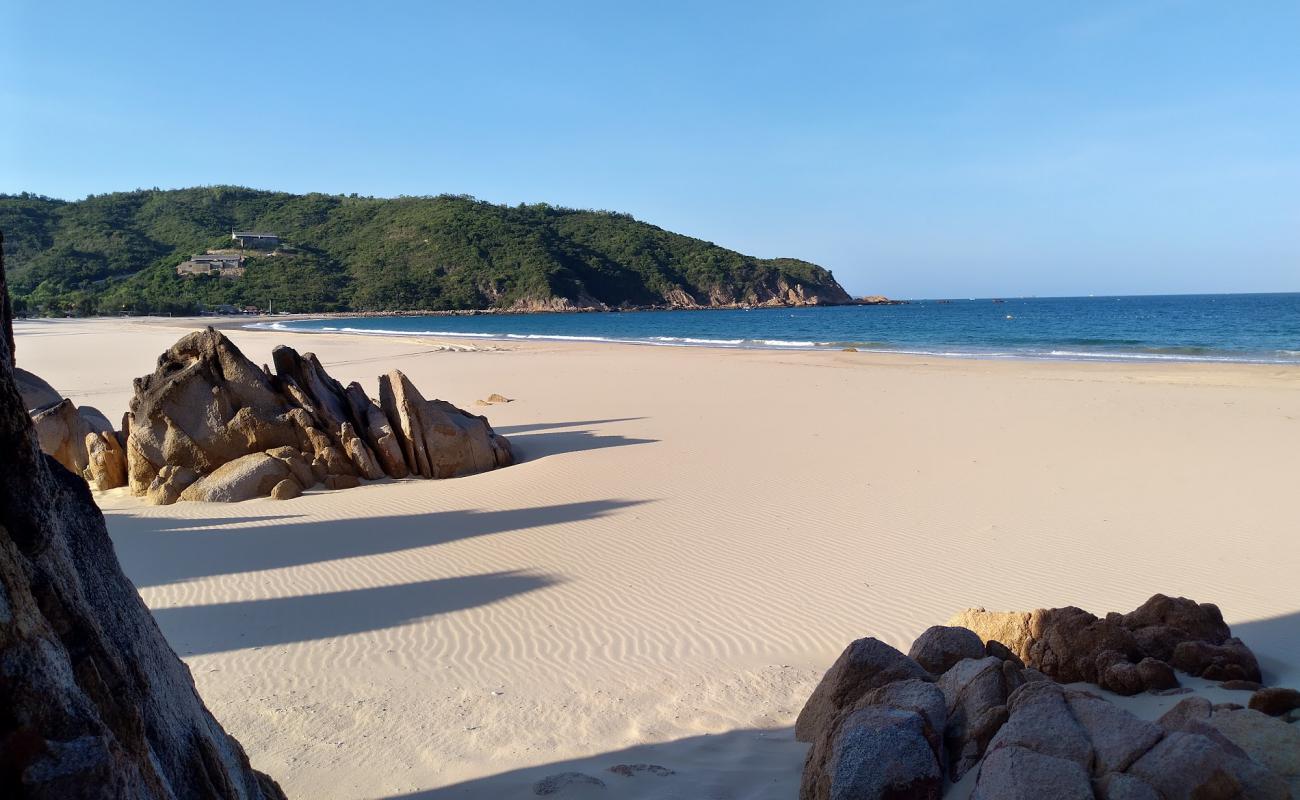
{"x":118,"y":252}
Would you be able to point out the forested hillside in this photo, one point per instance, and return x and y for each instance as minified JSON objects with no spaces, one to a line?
{"x":118,"y":252}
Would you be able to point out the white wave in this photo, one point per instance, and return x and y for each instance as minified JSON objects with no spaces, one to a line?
{"x":783,"y":343}
{"x":689,"y":340}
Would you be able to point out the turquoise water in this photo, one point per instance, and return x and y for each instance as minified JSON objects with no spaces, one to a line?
{"x":1260,"y":328}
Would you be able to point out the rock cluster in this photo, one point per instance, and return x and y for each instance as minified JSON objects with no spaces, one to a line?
{"x":887,"y":725}
{"x":93,"y":702}
{"x":208,"y":424}
{"x":1124,"y":653}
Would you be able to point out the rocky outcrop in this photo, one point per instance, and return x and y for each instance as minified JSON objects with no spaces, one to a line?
{"x":885,"y":725}
{"x":230,"y":431}
{"x":439,"y":440}
{"x":93,"y":702}
{"x":106,"y":461}
{"x":1125,"y":653}
{"x":35,"y":392}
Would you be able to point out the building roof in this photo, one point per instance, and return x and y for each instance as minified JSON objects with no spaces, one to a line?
{"x":216,"y":257}
{"x":253,"y":235}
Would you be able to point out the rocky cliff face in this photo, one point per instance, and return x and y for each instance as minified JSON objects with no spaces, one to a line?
{"x":93,"y":702}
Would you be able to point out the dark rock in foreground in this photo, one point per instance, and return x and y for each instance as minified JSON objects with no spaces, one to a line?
{"x":93,"y":702}
{"x":882,"y":726}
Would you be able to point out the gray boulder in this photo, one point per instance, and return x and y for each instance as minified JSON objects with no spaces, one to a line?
{"x":878,"y":753}
{"x":941,"y":646}
{"x":1018,"y":773}
{"x":976,"y":692}
{"x":864,"y":665}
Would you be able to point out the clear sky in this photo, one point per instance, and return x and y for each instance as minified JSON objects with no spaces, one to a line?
{"x":918,"y":149}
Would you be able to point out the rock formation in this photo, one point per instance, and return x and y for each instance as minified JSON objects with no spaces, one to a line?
{"x":230,"y":431}
{"x":93,"y":702}
{"x":885,"y":725}
{"x":1125,"y":653}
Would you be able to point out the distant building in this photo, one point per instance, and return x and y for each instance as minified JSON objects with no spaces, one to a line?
{"x":226,"y":266}
{"x":256,"y":240}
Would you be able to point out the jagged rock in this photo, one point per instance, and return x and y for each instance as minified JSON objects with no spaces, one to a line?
{"x":1156,"y":675}
{"x":878,"y":753}
{"x":378,"y":432}
{"x":1188,"y":766}
{"x":106,"y":461}
{"x":93,"y":702}
{"x":36,"y":393}
{"x":360,"y":454}
{"x":975,"y":692}
{"x":244,"y":478}
{"x":1275,"y":701}
{"x":1018,"y":773}
{"x":439,"y":440}
{"x":62,"y":433}
{"x":167,"y":485}
{"x":939,"y":647}
{"x":864,"y":665}
{"x":204,"y":405}
{"x":1241,"y":686}
{"x":286,"y":489}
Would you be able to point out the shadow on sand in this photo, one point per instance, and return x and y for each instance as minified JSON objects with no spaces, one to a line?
{"x":158,"y":550}
{"x":259,"y":623}
{"x":1276,"y":643}
{"x":749,"y":763}
{"x":530,"y":445}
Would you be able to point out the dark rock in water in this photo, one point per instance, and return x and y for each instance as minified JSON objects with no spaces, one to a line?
{"x":552,"y":784}
{"x":940,"y":646}
{"x":93,"y":702}
{"x":1276,"y":701}
{"x":864,"y":665}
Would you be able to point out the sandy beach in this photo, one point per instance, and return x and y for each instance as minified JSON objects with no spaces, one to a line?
{"x":692,"y":536}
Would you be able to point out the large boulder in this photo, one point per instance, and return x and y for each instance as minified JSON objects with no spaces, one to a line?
{"x":864,"y":665}
{"x":36,"y":393}
{"x":941,"y":646}
{"x":204,"y":405}
{"x":1188,"y":766}
{"x":1018,"y":773}
{"x":878,"y":753}
{"x":253,"y":475}
{"x":93,"y":702}
{"x":438,"y":439}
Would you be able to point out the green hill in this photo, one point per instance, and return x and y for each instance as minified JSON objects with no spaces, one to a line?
{"x":118,"y":252}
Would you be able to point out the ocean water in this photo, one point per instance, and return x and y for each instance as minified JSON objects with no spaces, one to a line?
{"x":1256,"y":328}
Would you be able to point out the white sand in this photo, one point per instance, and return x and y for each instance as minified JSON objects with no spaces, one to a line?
{"x":692,"y":537}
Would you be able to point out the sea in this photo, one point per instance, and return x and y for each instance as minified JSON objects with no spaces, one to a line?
{"x":1249,"y":328}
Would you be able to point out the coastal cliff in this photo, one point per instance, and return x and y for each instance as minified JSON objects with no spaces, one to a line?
{"x":135,"y":252}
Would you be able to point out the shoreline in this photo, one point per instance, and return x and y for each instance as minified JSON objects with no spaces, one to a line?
{"x":264,"y":323}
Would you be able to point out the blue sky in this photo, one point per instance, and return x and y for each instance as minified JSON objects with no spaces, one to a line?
{"x":918,"y":149}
